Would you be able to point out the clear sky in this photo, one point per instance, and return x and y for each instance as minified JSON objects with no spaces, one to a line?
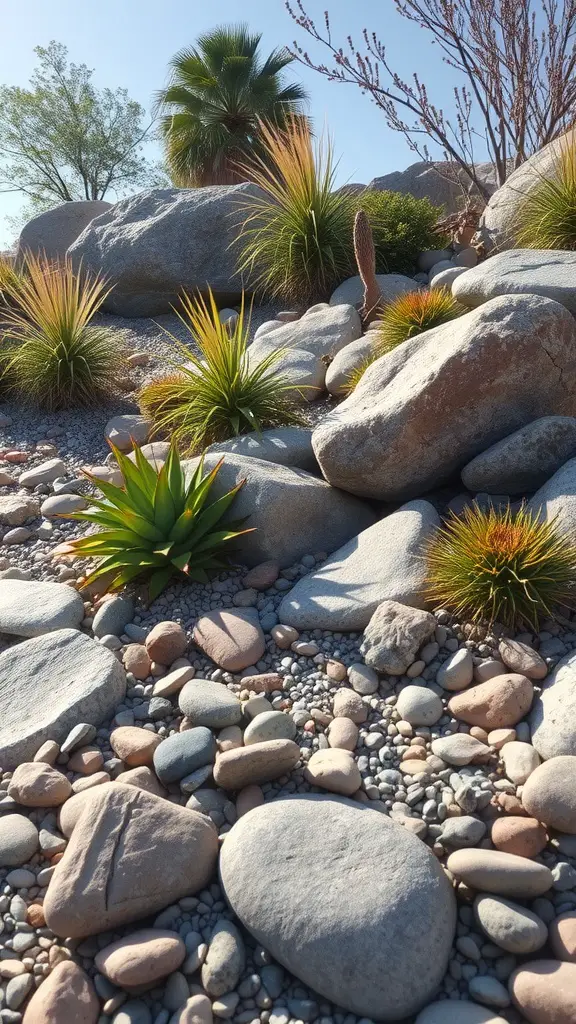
{"x":129,"y":43}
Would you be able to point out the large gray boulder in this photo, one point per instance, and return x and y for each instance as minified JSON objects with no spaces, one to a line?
{"x":286,"y":446}
{"x":292,"y":512}
{"x":435,"y":402}
{"x":346,"y":361}
{"x":556,"y":499}
{"x":525,"y":459}
{"x":50,"y":683}
{"x":53,"y":232}
{"x":305,"y":370}
{"x":363,"y":904}
{"x":157,"y":244}
{"x":546,"y":272}
{"x":31,"y":607}
{"x":323,"y":331}
{"x":383,"y":562}
{"x":443,"y":183}
{"x":553,"y":715}
{"x":499,"y":222}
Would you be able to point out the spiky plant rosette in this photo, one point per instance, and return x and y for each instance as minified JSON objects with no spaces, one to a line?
{"x":218,"y":393}
{"x":546,"y":217}
{"x":156,"y":525}
{"x":500,"y":566}
{"x":411,"y":314}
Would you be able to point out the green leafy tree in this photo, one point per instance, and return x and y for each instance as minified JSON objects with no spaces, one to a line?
{"x":219,"y":93}
{"x":63,"y":139}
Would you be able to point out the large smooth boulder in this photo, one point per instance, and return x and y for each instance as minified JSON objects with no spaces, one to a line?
{"x":549,"y":794}
{"x":545,"y":272}
{"x":292,"y":512}
{"x":50,"y":683}
{"x":391,"y":286}
{"x":31,"y":608}
{"x":352,"y":932}
{"x":53,"y":232}
{"x":525,"y":459}
{"x":440,"y":181}
{"x":131,"y":854}
{"x":155,"y":245}
{"x":555,"y":501}
{"x":323,"y":331}
{"x":553,"y":718}
{"x":286,"y":446}
{"x":499,"y":222}
{"x":383,"y":562}
{"x":346,"y":361}
{"x":424,"y":410}
{"x":303,"y":369}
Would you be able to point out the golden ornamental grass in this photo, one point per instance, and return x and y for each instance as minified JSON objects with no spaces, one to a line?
{"x":546,"y":217}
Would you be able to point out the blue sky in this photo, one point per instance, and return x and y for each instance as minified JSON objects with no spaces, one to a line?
{"x":129,"y":43}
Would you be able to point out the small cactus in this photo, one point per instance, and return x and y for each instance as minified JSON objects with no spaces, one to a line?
{"x":366,"y":263}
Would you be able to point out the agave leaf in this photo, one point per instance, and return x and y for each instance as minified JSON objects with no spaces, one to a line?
{"x":211,"y":515}
{"x":175,"y":477}
{"x":199,"y":575}
{"x":164,"y":507}
{"x":196,"y":499}
{"x":181,"y":561}
{"x":149,"y":474}
{"x":158,"y":581}
{"x":135,"y":488}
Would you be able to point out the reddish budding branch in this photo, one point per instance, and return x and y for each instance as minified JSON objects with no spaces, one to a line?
{"x":518,"y":62}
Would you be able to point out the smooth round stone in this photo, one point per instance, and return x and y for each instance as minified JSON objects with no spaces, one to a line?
{"x":349,"y":704}
{"x":510,"y":926}
{"x":524,"y":837}
{"x":363,"y":679}
{"x":230,"y":738}
{"x":520,"y":760}
{"x":141,"y":958}
{"x":18,"y":840}
{"x":271,"y":725}
{"x":550,"y":793}
{"x":232,"y":639}
{"x":519,"y":657}
{"x":489,"y":991}
{"x":341,"y":919}
{"x":134,"y":746}
{"x":498,"y":738}
{"x":497,"y":704}
{"x":36,"y":784}
{"x":419,"y":706}
{"x":196,"y":1010}
{"x":545,"y":991}
{"x":343,"y":733}
{"x":21,"y":878}
{"x":165,"y":642}
{"x":225,"y":960}
{"x":112,"y":616}
{"x":134,"y":1012}
{"x":86,"y":760}
{"x":137,"y":661}
{"x":460,"y":749}
{"x":500,"y":873}
{"x":457,"y":671}
{"x":143,"y":778}
{"x":256,"y":764}
{"x":70,"y":811}
{"x":210,"y":704}
{"x":562,"y":932}
{"x":487,"y":669}
{"x":458,"y":833}
{"x":173,"y":681}
{"x":184,"y":752}
{"x":67,"y":994}
{"x":335,"y":770}
{"x":458,"y":1012}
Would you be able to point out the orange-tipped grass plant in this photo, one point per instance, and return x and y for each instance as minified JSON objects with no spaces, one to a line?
{"x":546,"y":217}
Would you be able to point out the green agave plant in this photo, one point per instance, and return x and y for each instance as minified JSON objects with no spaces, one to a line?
{"x":155,"y":525}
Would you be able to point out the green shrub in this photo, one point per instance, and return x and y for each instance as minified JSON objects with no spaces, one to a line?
{"x":402,"y":227}
{"x":60,"y":358}
{"x":218,"y":394}
{"x":156,"y":526}
{"x":546,"y":217}
{"x":500,"y":567}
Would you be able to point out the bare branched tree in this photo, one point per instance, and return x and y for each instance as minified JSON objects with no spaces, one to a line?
{"x":516,"y":60}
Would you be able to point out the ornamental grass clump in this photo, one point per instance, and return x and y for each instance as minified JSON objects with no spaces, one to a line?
{"x":157,"y":525}
{"x":546,"y":216}
{"x":296,"y":241}
{"x":60,"y":358}
{"x":500,"y":566}
{"x":218,"y":393}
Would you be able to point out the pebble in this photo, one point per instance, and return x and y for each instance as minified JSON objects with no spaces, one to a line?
{"x":524,"y":837}
{"x":166,"y":642}
{"x":18,"y":840}
{"x":256,"y":764}
{"x":363,"y":679}
{"x":500,"y":873}
{"x":224,"y":961}
{"x":134,"y":746}
{"x":520,"y":760}
{"x":460,"y":749}
{"x":343,"y":733}
{"x":545,"y":991}
{"x":419,"y":706}
{"x":497,"y":704}
{"x":271,"y":725}
{"x":562,"y":934}
{"x":457,"y":671}
{"x":519,"y":657}
{"x":334,"y":770}
{"x":184,"y":752}
{"x":210,"y":704}
{"x":232,"y":639}
{"x":141,"y":958}
{"x":348,"y":704}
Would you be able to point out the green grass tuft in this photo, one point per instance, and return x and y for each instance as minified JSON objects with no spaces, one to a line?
{"x":546,"y":216}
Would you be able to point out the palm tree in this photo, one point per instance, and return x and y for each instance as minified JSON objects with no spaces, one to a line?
{"x":218,"y":93}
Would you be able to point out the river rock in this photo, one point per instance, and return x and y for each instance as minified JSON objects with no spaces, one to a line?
{"x":16,"y":509}
{"x":458,"y":1012}
{"x":255,"y":764}
{"x":270,"y":725}
{"x":346,"y":361}
{"x":457,"y":671}
{"x":349,"y":704}
{"x":163,"y":241}
{"x":183,"y":752}
{"x":292,"y":512}
{"x":134,"y":746}
{"x":553,"y":718}
{"x":335,"y":770}
{"x":67,"y":994}
{"x":393,"y":636}
{"x":208,"y":703}
{"x":526,"y":459}
{"x":497,"y":704}
{"x":394,"y":437}
{"x":510,"y":926}
{"x":141,"y":957}
{"x":562,"y":932}
{"x":224,"y":961}
{"x":460,"y":748}
{"x":524,"y":837}
{"x":50,"y":683}
{"x":233,"y":639}
{"x":500,"y":873}
{"x":520,"y":760}
{"x":35,"y":784}
{"x":18,"y":840}
{"x":166,"y":642}
{"x":545,"y":991}
{"x":555,"y":501}
{"x":384,"y":561}
{"x":336,"y":911}
{"x":286,"y":446}
{"x":112,"y":874}
{"x":520,"y":657}
{"x":30,"y":607}
{"x":52,"y":232}
{"x":550,"y":793}
{"x":544,"y":272}
{"x":322,"y":332}
{"x":45,"y":473}
{"x":419,"y":706}
{"x":112,"y":616}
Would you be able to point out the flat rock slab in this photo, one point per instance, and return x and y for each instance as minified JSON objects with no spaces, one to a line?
{"x":50,"y":683}
{"x":286,"y":446}
{"x":549,"y":273}
{"x":355,"y":923}
{"x":29,"y":608}
{"x":525,"y":459}
{"x":383,"y":562}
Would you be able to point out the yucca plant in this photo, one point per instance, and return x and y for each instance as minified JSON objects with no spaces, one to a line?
{"x":61,"y":358}
{"x":413,"y":313}
{"x":156,"y":525}
{"x":219,"y":393}
{"x":296,"y":241}
{"x":497,"y":566}
{"x":546,"y":217}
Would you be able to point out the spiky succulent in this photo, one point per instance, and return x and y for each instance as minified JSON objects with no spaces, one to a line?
{"x":156,"y":525}
{"x":497,"y":566}
{"x":413,"y":313}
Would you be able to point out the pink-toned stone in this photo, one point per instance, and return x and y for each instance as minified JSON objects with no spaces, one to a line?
{"x":349,"y":704}
{"x":343,"y":733}
{"x":519,"y":657}
{"x":284,"y":636}
{"x":232,"y":639}
{"x":562,"y":936}
{"x":266,"y":682}
{"x":248,"y":798}
{"x":66,"y":996}
{"x":36,"y":784}
{"x":165,"y":642}
{"x":142,"y":778}
{"x":487,"y":669}
{"x":262,"y":576}
{"x":336,"y":670}
{"x":137,"y":661}
{"x":141,"y":958}
{"x":545,"y":991}
{"x":497,"y":738}
{"x":525,"y":837}
{"x":334,"y":770}
{"x":70,"y":812}
{"x":173,"y":682}
{"x":258,"y":763}
{"x":48,"y":752}
{"x":230,"y":738}
{"x":86,"y":760}
{"x":500,"y":703}
{"x":134,"y":746}
{"x":479,"y":734}
{"x":90,"y":782}
{"x":196,"y":1010}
